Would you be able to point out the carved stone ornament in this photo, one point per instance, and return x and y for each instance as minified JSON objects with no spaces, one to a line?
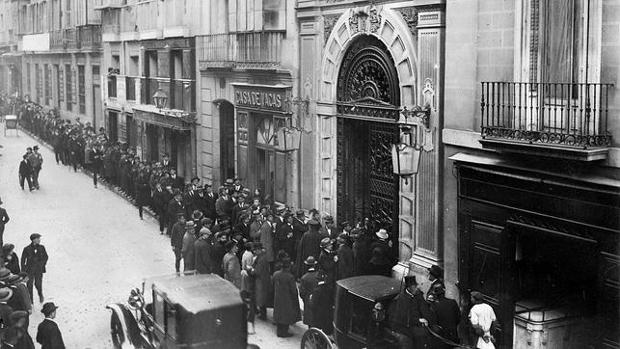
{"x":410,"y":15}
{"x":329,"y":22}
{"x":365,"y":19}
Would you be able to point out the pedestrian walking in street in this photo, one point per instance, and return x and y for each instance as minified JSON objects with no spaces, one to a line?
{"x":160,"y":203}
{"x":230,"y":264}
{"x":11,"y":261}
{"x":48,"y":333}
{"x":36,"y":162}
{"x":188,"y":246}
{"x":96,"y":156}
{"x":483,"y":321}
{"x":174,"y":208}
{"x":34,"y":259}
{"x":286,"y":299}
{"x":176,"y":240}
{"x":307,"y":284}
{"x":25,"y":173}
{"x":4,"y":219}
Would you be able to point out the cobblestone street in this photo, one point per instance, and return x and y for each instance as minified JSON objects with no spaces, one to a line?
{"x":98,"y":247}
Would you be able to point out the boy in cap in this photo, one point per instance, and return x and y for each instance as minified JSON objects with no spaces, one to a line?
{"x":48,"y":333}
{"x":34,"y":259}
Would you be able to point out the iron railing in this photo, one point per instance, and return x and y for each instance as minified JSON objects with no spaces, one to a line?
{"x":243,"y":49}
{"x":180,"y":92}
{"x":76,"y":38}
{"x":567,"y":114}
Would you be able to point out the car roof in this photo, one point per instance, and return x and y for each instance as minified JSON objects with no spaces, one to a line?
{"x":198,"y":293}
{"x":371,"y":287}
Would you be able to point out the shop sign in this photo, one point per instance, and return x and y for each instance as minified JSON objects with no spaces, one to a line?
{"x":261,"y":97}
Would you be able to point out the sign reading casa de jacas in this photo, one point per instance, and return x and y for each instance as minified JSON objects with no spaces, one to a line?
{"x":262,"y":97}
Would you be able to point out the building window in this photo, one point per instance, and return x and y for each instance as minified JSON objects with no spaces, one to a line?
{"x":28,"y":78}
{"x":60,"y":83}
{"x":38,"y":82}
{"x":82,"y":89}
{"x":48,"y":85}
{"x":68,"y":87}
{"x":274,"y":14}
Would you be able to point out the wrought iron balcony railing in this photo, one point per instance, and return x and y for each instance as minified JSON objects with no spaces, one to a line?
{"x":180,"y":92}
{"x":86,"y":37}
{"x":260,"y":50}
{"x":562,"y":114}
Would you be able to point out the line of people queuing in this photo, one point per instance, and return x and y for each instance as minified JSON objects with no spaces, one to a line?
{"x":18,"y":279}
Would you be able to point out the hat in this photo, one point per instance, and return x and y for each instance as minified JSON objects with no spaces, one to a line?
{"x":477,"y":296}
{"x":382,"y":234}
{"x":325,"y":242}
{"x":5,"y":294}
{"x":229,"y":245}
{"x":436,"y":271}
{"x":229,"y":182}
{"x":34,"y":236}
{"x":246,"y":190}
{"x":280,"y":208}
{"x":48,"y":308}
{"x":18,"y":314}
{"x":189,"y":223}
{"x":195,"y":178}
{"x":197,"y":215}
{"x":328,"y":219}
{"x":35,"y":147}
{"x":206,"y":221}
{"x":13,"y":278}
{"x":300,"y":213}
{"x":314,"y":211}
{"x":310,"y":261}
{"x":257,"y":246}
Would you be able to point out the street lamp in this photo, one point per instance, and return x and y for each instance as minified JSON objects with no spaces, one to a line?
{"x":413,"y":126}
{"x":160,"y":99}
{"x":288,"y":139}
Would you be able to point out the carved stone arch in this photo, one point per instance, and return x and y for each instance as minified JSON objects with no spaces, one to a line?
{"x":385,"y":24}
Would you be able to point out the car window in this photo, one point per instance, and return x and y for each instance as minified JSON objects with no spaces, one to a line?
{"x":358,"y":327}
{"x":171,"y":320}
{"x":158,"y":309}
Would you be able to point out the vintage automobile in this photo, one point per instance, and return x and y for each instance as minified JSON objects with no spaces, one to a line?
{"x":360,"y":316}
{"x":187,"y":311}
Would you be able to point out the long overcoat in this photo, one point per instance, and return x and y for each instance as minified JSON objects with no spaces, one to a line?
{"x":263,"y":285}
{"x":286,"y":300}
{"x":307,"y":284}
{"x":308,"y":246}
{"x":266,"y":234}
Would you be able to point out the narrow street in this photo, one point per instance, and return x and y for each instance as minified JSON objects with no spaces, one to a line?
{"x":98,"y":247}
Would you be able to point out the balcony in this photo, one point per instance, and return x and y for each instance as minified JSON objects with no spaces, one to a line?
{"x":87,"y":37}
{"x":243,"y":50}
{"x":565,"y":120}
{"x":180,"y":92}
{"x":109,"y":4}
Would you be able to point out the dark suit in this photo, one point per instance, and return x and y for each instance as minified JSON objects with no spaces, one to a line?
{"x":4,"y":219}
{"x":448,"y":316}
{"x":237,"y":210}
{"x":160,"y":202}
{"x":285,"y":240}
{"x":25,"y":172}
{"x":210,"y":206}
{"x":34,"y":259}
{"x":174,"y":209}
{"x":49,"y":336}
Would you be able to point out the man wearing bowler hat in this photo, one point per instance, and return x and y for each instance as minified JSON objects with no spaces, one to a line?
{"x":34,"y":259}
{"x":48,"y":333}
{"x":435,"y":276}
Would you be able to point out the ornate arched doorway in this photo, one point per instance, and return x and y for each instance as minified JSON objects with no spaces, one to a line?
{"x":368,"y":100}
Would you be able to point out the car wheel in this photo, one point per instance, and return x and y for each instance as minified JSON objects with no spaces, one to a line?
{"x":116,"y":332}
{"x":315,"y":339}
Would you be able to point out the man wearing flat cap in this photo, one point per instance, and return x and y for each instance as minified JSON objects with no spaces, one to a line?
{"x":34,"y":259}
{"x":48,"y":333}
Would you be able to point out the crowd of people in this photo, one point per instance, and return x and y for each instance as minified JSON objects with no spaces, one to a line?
{"x":275,"y":255}
{"x":18,"y":279}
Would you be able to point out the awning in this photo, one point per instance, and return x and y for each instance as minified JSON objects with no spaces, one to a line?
{"x":547,"y":168}
{"x":180,"y":122}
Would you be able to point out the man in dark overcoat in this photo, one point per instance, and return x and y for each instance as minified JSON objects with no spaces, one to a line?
{"x":307,"y":284}
{"x":175,"y":207}
{"x":48,"y":334}
{"x":203,"y":249}
{"x":345,"y":267}
{"x":25,"y":173}
{"x":320,"y":302}
{"x":160,"y":202}
{"x":286,"y":300}
{"x":4,"y":219}
{"x":309,"y":245}
{"x":210,"y":199}
{"x":284,"y":239}
{"x":34,"y":259}
{"x":411,"y":314}
{"x":262,"y":284}
{"x":447,"y":315}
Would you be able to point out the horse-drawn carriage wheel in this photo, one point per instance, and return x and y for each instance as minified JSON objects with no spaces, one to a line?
{"x":116,"y":331}
{"x":315,"y":339}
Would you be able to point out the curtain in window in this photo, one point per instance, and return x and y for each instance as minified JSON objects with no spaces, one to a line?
{"x":558,"y":28}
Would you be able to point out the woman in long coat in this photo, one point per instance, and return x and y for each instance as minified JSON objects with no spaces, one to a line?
{"x":262,"y":282}
{"x":286,"y":300}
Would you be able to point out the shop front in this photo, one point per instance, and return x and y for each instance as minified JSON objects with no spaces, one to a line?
{"x":543,"y":248}
{"x":263,"y":157}
{"x":160,"y":133}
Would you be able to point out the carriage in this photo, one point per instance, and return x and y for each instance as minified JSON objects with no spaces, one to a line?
{"x":361,"y":318}
{"x":186,"y":311}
